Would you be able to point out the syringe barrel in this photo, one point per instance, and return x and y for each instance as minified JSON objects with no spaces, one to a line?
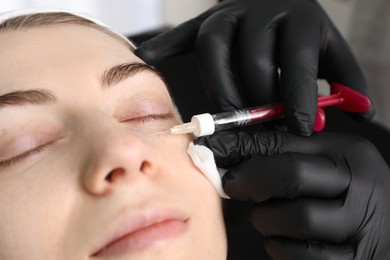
{"x":227,"y":120}
{"x":242,"y":117}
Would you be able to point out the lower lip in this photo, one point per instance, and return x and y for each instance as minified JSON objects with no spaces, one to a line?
{"x":145,"y":238}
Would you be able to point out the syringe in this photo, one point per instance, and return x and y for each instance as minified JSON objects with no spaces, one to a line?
{"x":206,"y":124}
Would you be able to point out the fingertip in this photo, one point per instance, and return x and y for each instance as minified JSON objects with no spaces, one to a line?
{"x":280,"y":248}
{"x":147,"y":54}
{"x":226,"y":181}
{"x":233,"y":187}
{"x":204,"y":140}
{"x":301,"y":125}
{"x":301,"y":129}
{"x":173,"y":42}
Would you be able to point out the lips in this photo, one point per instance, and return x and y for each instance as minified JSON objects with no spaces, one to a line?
{"x":142,"y":231}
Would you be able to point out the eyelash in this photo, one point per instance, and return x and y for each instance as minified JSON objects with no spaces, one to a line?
{"x":151,"y":117}
{"x":23,"y":156}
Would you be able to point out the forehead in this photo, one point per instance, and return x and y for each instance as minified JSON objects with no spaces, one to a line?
{"x":56,"y":50}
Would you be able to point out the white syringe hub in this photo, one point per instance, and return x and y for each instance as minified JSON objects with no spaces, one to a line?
{"x":200,"y":125}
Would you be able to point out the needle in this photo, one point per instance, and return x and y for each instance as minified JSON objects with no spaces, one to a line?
{"x":160,"y":133}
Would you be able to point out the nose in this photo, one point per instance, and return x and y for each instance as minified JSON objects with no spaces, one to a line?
{"x":116,"y":156}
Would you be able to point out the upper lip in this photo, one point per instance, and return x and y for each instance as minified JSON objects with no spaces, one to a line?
{"x":139,"y":221}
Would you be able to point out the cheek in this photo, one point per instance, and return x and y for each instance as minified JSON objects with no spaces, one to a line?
{"x":32,"y":214}
{"x":171,"y":153}
{"x":172,"y":156}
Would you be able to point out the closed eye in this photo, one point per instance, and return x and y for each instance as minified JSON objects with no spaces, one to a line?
{"x":150,"y":117}
{"x":18,"y":158}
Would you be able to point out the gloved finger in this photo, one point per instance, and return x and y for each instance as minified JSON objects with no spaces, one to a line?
{"x":303,"y":219}
{"x":339,"y":65}
{"x":258,"y":70}
{"x":300,"y":43}
{"x":231,"y":148}
{"x":176,"y":41}
{"x":213,"y":50}
{"x":288,"y":175}
{"x":288,"y":249}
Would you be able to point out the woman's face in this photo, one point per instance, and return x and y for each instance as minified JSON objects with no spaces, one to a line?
{"x":79,"y":176}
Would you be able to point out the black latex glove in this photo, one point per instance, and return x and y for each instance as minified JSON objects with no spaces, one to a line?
{"x":241,"y":44}
{"x":322,"y":197}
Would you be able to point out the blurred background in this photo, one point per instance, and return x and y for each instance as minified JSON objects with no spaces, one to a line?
{"x":364,"y":23}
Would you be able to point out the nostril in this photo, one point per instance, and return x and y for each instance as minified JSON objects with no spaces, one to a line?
{"x":109,"y":177}
{"x":116,"y":173}
{"x":145,"y":166}
{"x":112,"y":175}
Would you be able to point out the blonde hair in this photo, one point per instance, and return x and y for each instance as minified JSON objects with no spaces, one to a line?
{"x":38,"y":19}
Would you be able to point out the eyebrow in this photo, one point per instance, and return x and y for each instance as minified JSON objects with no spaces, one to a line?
{"x":118,"y":73}
{"x":110,"y":77}
{"x":25,"y":97}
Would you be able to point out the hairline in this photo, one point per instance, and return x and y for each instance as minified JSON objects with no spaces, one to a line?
{"x":37,"y":20}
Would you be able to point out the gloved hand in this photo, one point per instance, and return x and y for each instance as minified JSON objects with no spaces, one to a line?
{"x":241,"y":44}
{"x":320,"y":197}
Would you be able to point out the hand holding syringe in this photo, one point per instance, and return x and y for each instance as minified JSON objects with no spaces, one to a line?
{"x":206,"y":124}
